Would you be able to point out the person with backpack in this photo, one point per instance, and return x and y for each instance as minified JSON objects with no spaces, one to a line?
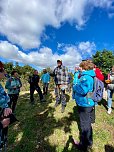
{"x":110,"y":90}
{"x":85,"y":105}
{"x":60,"y":74}
{"x":34,"y":85}
{"x":13,"y":84}
{"x":45,"y":78}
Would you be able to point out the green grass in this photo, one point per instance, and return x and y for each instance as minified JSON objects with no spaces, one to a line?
{"x":41,"y":128}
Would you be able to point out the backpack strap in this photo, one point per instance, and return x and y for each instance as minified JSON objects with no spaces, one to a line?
{"x":90,"y":94}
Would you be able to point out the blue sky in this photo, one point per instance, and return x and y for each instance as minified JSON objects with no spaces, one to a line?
{"x":64,"y":30}
{"x":98,"y":29}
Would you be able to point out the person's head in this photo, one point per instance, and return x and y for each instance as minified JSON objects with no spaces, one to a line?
{"x":14,"y":73}
{"x":59,"y":63}
{"x":2,"y":72}
{"x":86,"y":65}
{"x":44,"y":71}
{"x":35,"y":72}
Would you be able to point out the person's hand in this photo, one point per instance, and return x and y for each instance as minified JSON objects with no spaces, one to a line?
{"x":5,"y":122}
{"x":14,"y":87}
{"x":7,"y":111}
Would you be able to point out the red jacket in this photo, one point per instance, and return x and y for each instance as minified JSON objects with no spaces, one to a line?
{"x":99,"y":74}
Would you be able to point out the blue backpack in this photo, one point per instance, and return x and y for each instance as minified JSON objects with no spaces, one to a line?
{"x":97,"y":93}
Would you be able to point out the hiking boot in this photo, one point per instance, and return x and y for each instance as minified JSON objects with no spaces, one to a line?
{"x":63,"y":109}
{"x":109,"y":111}
{"x":42,"y":100}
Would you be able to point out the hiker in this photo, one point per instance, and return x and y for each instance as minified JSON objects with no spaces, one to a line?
{"x":4,"y":100}
{"x":75,"y":80}
{"x":110,"y":89}
{"x":34,"y":85}
{"x":60,"y":74}
{"x":13,"y":84}
{"x":6,"y":115}
{"x":45,"y":78}
{"x":69,"y":82}
{"x":85,"y":105}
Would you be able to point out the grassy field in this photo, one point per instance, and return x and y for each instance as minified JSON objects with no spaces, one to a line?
{"x":42,"y":128}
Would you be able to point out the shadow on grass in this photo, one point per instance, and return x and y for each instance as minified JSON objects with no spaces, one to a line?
{"x":104,"y":103}
{"x":67,"y":98}
{"x":29,"y":135}
{"x":71,"y":149}
{"x":37,"y":123}
{"x":109,"y":148}
{"x":72,"y":117}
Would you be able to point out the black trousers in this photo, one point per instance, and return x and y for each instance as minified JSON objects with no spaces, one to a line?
{"x":13,"y":101}
{"x":32,"y":89}
{"x":86,"y":116}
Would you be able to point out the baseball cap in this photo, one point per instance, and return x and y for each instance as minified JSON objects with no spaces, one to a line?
{"x":59,"y":60}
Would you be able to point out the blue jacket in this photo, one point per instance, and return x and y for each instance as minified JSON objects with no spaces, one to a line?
{"x":4,"y":98}
{"x":84,"y":85}
{"x":11,"y":83}
{"x":75,"y":81}
{"x":45,"y":78}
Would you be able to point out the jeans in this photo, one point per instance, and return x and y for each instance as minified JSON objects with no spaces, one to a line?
{"x":60,"y":96}
{"x":45,"y":88}
{"x":110,"y":94}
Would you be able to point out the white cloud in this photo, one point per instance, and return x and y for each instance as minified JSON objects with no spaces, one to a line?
{"x":44,"y":57}
{"x":87,"y":47}
{"x":24,"y":22}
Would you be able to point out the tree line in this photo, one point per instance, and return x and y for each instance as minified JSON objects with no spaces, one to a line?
{"x":103,"y":59}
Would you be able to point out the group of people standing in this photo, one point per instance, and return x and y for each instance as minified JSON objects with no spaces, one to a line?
{"x":83,"y":83}
{"x":61,"y":79}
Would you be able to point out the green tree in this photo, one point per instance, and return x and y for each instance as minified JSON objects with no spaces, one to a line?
{"x":104,"y":60}
{"x":8,"y":67}
{"x":18,"y":68}
{"x":27,"y":70}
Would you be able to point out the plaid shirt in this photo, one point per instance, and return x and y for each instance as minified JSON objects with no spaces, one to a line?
{"x":4,"y":98}
{"x":61,"y":75}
